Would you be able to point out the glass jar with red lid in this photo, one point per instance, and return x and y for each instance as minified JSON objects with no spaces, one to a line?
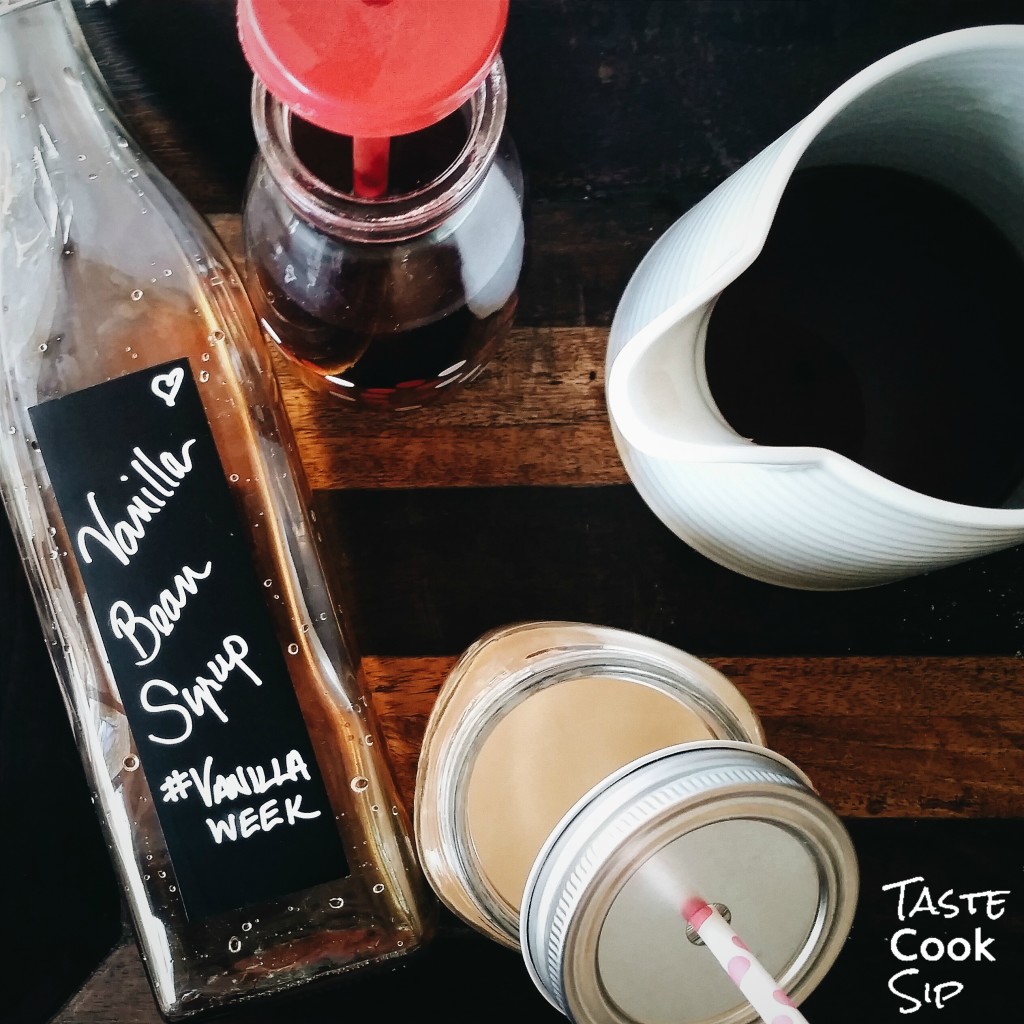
{"x":383,"y":218}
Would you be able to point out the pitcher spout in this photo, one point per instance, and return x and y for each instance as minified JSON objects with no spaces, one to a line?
{"x":840,"y":362}
{"x":658,"y":390}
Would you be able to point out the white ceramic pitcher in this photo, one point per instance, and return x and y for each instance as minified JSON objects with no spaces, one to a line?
{"x":949,"y":109}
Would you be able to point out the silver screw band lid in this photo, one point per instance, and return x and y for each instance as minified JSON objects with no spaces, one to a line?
{"x":735,"y":824}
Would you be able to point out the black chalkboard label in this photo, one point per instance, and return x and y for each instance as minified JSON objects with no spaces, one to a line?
{"x":190,"y":640}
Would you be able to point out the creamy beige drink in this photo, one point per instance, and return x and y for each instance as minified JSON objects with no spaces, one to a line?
{"x":577,"y":732}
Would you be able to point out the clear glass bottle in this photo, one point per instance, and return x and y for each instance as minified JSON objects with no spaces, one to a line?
{"x":395,"y":300}
{"x":192,"y":618}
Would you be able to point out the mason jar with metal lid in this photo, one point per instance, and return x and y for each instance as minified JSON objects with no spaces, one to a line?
{"x":579,"y":784}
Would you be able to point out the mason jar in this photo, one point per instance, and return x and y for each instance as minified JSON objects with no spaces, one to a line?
{"x":578,"y":786}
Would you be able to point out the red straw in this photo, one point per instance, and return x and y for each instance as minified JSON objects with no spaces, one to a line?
{"x":370,"y":167}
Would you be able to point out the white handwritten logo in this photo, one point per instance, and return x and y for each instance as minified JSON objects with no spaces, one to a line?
{"x":167,"y":385}
{"x":908,"y":946}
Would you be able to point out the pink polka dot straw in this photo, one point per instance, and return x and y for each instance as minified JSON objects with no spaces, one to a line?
{"x":760,"y":988}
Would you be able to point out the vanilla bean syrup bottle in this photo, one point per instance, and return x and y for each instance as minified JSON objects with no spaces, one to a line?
{"x":165,"y":525}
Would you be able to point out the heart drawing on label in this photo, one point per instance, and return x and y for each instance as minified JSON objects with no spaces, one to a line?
{"x":167,"y":385}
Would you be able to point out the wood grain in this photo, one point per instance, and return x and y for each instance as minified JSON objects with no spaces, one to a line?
{"x":879,"y":737}
{"x":604,"y":96}
{"x":536,"y":416}
{"x":499,"y":432}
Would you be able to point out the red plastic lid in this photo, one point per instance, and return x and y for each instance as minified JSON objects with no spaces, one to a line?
{"x":371,"y":68}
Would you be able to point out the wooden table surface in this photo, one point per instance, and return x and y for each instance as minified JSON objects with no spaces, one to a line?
{"x":904,"y":703}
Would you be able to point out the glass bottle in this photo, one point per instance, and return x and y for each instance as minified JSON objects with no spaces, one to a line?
{"x":163,"y":518}
{"x":397,"y":299}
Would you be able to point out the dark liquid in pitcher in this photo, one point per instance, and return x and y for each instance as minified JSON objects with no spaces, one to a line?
{"x":380,"y":326}
{"x":884,"y":319}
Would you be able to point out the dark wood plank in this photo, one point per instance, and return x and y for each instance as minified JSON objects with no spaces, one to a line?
{"x":512,"y":504}
{"x":535,"y":417}
{"x":431,"y":569}
{"x":56,"y":867}
{"x":427,"y":981}
{"x":879,"y":737}
{"x":605,"y":96}
{"x":960,"y":856}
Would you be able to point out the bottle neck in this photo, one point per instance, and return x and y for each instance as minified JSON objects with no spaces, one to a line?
{"x":7,"y":6}
{"x":387,"y":218}
{"x":53,"y":97}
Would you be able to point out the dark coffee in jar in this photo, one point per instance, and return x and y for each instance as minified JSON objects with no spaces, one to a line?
{"x":415,"y":159}
{"x":396,"y":323}
{"x":881,"y":320}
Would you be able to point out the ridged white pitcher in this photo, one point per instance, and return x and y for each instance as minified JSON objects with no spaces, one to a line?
{"x":949,"y":109}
